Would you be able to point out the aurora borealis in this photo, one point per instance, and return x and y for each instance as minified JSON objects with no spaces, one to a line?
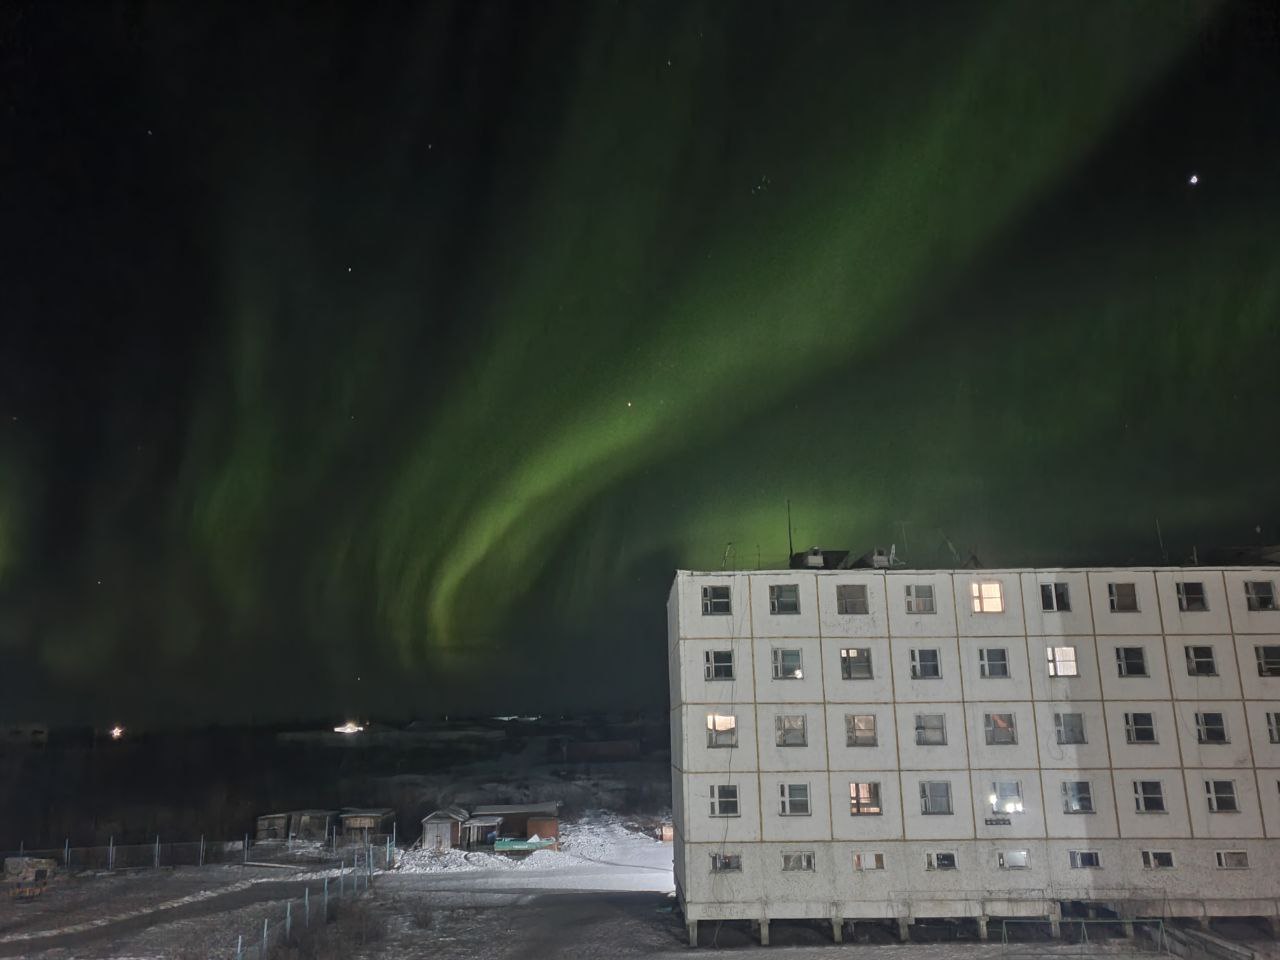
{"x":419,"y":344}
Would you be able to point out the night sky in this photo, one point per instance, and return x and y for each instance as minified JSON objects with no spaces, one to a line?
{"x":387,"y":359}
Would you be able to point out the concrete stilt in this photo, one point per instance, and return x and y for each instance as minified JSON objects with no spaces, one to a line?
{"x":1204,"y":923}
{"x":982,"y":928}
{"x":904,"y":932}
{"x":693,"y":932}
{"x":1128,"y":929}
{"x":1274,"y":923}
{"x":1055,"y":921}
{"x":764,"y":933}
{"x":837,"y":929}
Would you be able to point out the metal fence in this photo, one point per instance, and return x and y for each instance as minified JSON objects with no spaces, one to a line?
{"x":120,"y":856}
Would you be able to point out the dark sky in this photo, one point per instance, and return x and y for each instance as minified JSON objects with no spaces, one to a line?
{"x":388,"y":358}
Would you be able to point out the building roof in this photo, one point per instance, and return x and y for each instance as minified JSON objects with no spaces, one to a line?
{"x":315,"y":813}
{"x":549,"y":809}
{"x":372,"y":812}
{"x":447,"y":813}
{"x":483,"y":822}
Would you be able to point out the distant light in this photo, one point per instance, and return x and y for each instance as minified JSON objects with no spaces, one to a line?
{"x":117,"y":732}
{"x":1193,"y":179}
{"x":628,"y":403}
{"x":349,"y":727}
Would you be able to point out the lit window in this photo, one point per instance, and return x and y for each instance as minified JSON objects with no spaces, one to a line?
{"x":1062,"y":661}
{"x":1077,"y":797}
{"x":1084,"y":859}
{"x":920,"y":598}
{"x":987,"y":597}
{"x":1069,"y":727}
{"x":939,"y":861}
{"x":1232,"y":859}
{"x":1201,"y":662}
{"x":1260,"y":594}
{"x":792,"y":862}
{"x":1123,"y":597}
{"x":1055,"y":598}
{"x":993,"y":663}
{"x":718,"y":665}
{"x":1006,"y":796}
{"x":1211,"y":728}
{"x":855,"y":663}
{"x":1139,"y":728}
{"x":1001,"y":728}
{"x":931,"y":729}
{"x":1131,"y":661}
{"x":851,"y":599}
{"x":1191,"y":598}
{"x":784,"y":598}
{"x":793,"y":799}
{"x":860,"y":729}
{"x":787,"y":664}
{"x":935,"y":797}
{"x":724,"y":800}
{"x":925,"y":665}
{"x":1157,"y":859}
{"x":726,"y":862}
{"x":868,"y":861}
{"x":864,"y":799}
{"x":715,"y":601}
{"x":1273,"y":727}
{"x":1268,"y":661}
{"x":722,"y":730}
{"x":1221,"y":795}
{"x":1148,"y":796}
{"x":790,"y":730}
{"x":1013,"y":859}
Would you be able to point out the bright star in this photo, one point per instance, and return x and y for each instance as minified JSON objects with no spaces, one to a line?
{"x":1194,"y":179}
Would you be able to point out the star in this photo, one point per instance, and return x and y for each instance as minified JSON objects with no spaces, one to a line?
{"x":1193,"y":179}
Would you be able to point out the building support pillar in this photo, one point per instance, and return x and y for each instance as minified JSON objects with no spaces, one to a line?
{"x":764,"y":931}
{"x":904,"y":929}
{"x":1128,"y":929}
{"x":1274,"y":923}
{"x":982,"y":926}
{"x":693,"y":932}
{"x":837,"y":929}
{"x":1204,"y":922}
{"x":1055,"y":921}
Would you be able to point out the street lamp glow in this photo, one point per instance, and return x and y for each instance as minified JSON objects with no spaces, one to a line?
{"x":349,"y":728}
{"x":117,"y":732}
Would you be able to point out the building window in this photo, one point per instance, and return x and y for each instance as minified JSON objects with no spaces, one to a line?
{"x":860,"y":729}
{"x":1006,"y":796}
{"x":851,"y":599}
{"x":1123,"y":597}
{"x":1062,"y":661}
{"x":1191,"y":598}
{"x":1001,"y":729}
{"x":1084,"y":859}
{"x":1157,"y":859}
{"x":726,"y":862}
{"x":864,"y":800}
{"x":926,"y":664}
{"x":988,"y":597}
{"x":787,"y":664}
{"x":715,"y":601}
{"x":935,"y":797}
{"x":855,"y":663}
{"x":724,"y":800}
{"x":717,"y":665}
{"x":939,"y":861}
{"x":1260,"y":594}
{"x":1201,"y":662}
{"x":920,"y":598}
{"x":1013,"y":859}
{"x":1055,"y":598}
{"x":793,"y":799}
{"x":931,"y":729}
{"x":1273,"y":727}
{"x":993,"y":663}
{"x":1232,"y":859}
{"x":1131,"y":661}
{"x":1069,"y":727}
{"x":790,"y":730}
{"x":1268,"y":661}
{"x":1139,"y":728}
{"x":868,"y":861}
{"x":1077,"y":797}
{"x":1221,"y":795}
{"x":797,"y":861}
{"x":1148,"y":796}
{"x":784,"y":598}
{"x":1211,"y":728}
{"x":722,"y":730}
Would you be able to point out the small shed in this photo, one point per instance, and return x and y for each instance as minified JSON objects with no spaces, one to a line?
{"x":271,"y":827}
{"x":313,"y":825}
{"x":514,"y":822}
{"x":442,"y":829}
{"x":367,"y":825}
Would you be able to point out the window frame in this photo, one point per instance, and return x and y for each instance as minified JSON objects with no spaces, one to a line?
{"x":1268,"y":663}
{"x":920,"y":729}
{"x":779,"y":657}
{"x":1008,"y":859}
{"x":1124,"y":667}
{"x":991,"y":728}
{"x":1216,"y":799}
{"x":926,"y":798}
{"x":1143,"y":799}
{"x":1187,"y":601}
{"x":870,"y":805}
{"x":719,"y":801}
{"x":981,"y":598}
{"x":777,"y":607}
{"x":1056,"y":663}
{"x":921,"y":604}
{"x":806,"y":859}
{"x":1211,"y":732}
{"x":1081,"y":800}
{"x":784,"y":729}
{"x":1273,"y":726}
{"x":1223,"y":857}
{"x":726,"y":862}
{"x":1132,"y":727}
{"x":1059,"y":599}
{"x":1260,"y":602}
{"x":1084,"y":859}
{"x":859,"y":656}
{"x":851,"y":737}
{"x":918,"y":663}
{"x":985,"y":663}
{"x":1116,"y":599}
{"x":1000,"y":793}
{"x":860,"y":859}
{"x":788,"y":803}
{"x":1151,"y":858}
{"x":1060,"y":726}
{"x":941,"y":860}
{"x":847,"y":596}
{"x":709,"y":666}
{"x":1196,"y":659}
{"x":710,"y":600}
{"x":714,"y":736}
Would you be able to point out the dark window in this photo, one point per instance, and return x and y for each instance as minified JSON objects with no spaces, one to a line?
{"x":851,"y":598}
{"x":715,"y":601}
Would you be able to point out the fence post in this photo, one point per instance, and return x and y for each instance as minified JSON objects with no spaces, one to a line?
{"x":246,"y":848}
{"x":326,"y":899}
{"x":288,"y":919}
{"x":111,"y":852}
{"x":21,"y":848}
{"x":157,"y":855}
{"x":342,"y":877}
{"x":66,"y":852}
{"x":306,"y":907}
{"x":239,"y":947}
{"x":387,"y":865}
{"x":202,"y":849}
{"x":265,"y":921}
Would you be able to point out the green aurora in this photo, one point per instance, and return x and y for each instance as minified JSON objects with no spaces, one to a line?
{"x":479,"y":323}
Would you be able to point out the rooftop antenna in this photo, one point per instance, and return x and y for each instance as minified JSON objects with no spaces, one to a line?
{"x":1164,"y":554}
{"x":1195,"y":557}
{"x":790,"y":546}
{"x":757,"y":556}
{"x":902,"y":526}
{"x":730,"y":556}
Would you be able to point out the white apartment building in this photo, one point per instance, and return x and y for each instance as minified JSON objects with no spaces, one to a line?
{"x":902,"y":744}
